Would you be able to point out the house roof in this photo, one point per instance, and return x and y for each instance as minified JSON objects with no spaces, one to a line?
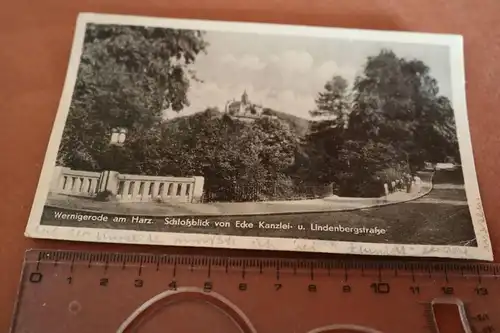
{"x":234,"y":104}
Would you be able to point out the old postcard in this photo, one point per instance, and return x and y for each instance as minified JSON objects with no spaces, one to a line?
{"x":262,"y":136}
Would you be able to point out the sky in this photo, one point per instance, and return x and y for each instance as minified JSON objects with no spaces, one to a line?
{"x":287,"y":72}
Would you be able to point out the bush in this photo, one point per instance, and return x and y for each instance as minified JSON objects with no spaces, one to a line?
{"x":310,"y":191}
{"x":395,"y":174}
{"x":104,"y":196}
{"x":159,"y":200}
{"x":281,"y":189}
{"x":390,"y":174}
{"x":364,"y":184}
{"x":364,"y":187}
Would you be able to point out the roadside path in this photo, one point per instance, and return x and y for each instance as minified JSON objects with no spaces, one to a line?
{"x":440,"y":218}
{"x":328,"y":204}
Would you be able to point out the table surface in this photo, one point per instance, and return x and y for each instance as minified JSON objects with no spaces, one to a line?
{"x":35,"y":42}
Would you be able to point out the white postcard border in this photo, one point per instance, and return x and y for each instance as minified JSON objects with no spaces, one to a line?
{"x":455,"y":42}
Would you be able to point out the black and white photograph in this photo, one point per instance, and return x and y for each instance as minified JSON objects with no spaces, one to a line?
{"x":261,"y":136}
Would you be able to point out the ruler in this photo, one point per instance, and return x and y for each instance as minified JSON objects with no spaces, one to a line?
{"x":77,"y":292}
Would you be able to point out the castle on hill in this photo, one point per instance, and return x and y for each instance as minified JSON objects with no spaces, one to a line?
{"x":244,"y":109}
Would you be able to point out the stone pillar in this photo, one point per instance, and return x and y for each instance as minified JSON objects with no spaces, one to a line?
{"x":197,"y":189}
{"x":141,"y":190}
{"x":63,"y":182}
{"x":145,"y":193}
{"x":135,"y":192}
{"x":77,"y":185}
{"x":85,"y":186}
{"x":57,"y":179}
{"x":184,"y":197}
{"x":164,"y":195}
{"x":418,"y":183}
{"x":180,"y":190}
{"x":93,"y":185}
{"x":108,"y":181}
{"x":155,"y":186}
{"x":170,"y":190}
{"x":126,"y":187}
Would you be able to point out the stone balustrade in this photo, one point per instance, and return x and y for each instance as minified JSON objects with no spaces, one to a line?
{"x":134,"y":188}
{"x":75,"y":182}
{"x":126,"y":187}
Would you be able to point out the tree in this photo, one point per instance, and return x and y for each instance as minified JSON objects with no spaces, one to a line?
{"x":368,"y":164}
{"x":128,"y":75}
{"x":397,"y":103}
{"x":321,"y":164}
{"x":333,"y":104}
{"x":392,"y":121}
{"x":241,"y":161}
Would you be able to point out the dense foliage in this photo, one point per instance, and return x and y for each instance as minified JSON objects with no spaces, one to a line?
{"x":382,"y":126}
{"x":385,"y":128}
{"x":126,"y":78}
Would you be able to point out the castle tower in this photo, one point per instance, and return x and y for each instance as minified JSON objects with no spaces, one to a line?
{"x":244,"y":98}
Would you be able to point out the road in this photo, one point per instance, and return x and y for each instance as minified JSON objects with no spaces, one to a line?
{"x":440,"y":218}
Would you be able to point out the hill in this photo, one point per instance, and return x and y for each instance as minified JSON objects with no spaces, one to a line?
{"x":299,"y":125}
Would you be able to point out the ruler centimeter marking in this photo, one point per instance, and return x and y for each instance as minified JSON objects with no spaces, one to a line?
{"x":427,"y":283}
{"x":477,"y":269}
